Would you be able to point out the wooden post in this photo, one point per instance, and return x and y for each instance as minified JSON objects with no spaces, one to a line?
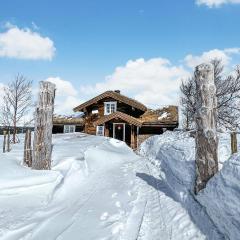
{"x":8,"y":141}
{"x":27,"y":159}
{"x":137,"y":137}
{"x":206,"y":136}
{"x":4,"y":141}
{"x":106,"y":130}
{"x":42,"y":147}
{"x":234,"y":142}
{"x":132,"y":137}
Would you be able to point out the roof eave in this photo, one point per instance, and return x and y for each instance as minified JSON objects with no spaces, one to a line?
{"x":112,"y":94}
{"x":120,"y":115}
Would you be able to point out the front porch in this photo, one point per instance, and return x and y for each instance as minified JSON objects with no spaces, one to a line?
{"x":122,"y":131}
{"x":122,"y":127}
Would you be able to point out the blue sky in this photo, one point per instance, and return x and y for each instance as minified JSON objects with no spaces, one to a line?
{"x":86,"y":47}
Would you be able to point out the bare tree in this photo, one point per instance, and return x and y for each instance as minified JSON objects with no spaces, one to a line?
{"x":228,"y":96}
{"x":16,"y":102}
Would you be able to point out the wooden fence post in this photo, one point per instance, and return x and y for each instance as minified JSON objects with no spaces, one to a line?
{"x":4,"y":141}
{"x":27,"y":158}
{"x":206,"y":135}
{"x":234,"y":142}
{"x":8,"y":141}
{"x":42,"y":146}
{"x":132,"y":137}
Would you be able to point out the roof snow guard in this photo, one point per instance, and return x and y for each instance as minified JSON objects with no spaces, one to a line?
{"x":115,"y":95}
{"x":123,"y":116}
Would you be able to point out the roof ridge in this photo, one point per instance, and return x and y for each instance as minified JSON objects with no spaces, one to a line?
{"x":117,"y":96}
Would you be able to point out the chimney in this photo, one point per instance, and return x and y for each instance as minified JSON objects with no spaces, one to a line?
{"x":117,"y":91}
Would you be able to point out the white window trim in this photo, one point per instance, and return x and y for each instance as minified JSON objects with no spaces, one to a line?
{"x":124,"y":128}
{"x":109,"y":103}
{"x":97,"y":130}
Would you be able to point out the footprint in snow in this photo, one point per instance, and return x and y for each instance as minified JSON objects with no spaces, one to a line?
{"x":110,"y":220}
{"x":114,"y":195}
{"x":117,"y":228}
{"x":104,"y":216}
{"x":118,"y":204}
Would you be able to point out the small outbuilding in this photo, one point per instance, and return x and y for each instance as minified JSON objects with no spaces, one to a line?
{"x":67,"y":124}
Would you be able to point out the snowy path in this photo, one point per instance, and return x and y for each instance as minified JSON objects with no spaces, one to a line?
{"x":106,"y":192}
{"x":165,"y":218}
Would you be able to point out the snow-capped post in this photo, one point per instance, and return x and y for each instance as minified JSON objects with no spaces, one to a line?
{"x":27,"y":159}
{"x":4,"y":141}
{"x":206,"y":135}
{"x":234,"y":142}
{"x":42,"y":146}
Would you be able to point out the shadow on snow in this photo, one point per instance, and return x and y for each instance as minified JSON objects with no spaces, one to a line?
{"x":193,"y":208}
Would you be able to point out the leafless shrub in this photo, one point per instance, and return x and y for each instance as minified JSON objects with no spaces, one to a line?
{"x":17,"y":100}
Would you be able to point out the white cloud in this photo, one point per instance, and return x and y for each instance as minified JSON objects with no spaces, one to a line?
{"x":66,"y":96}
{"x":216,"y":3}
{"x":63,"y":88}
{"x":154,"y":82}
{"x":65,"y":105}
{"x":225,"y":55}
{"x":25,"y":44}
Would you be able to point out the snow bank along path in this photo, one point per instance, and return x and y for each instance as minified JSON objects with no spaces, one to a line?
{"x":98,"y":189}
{"x":216,"y":211}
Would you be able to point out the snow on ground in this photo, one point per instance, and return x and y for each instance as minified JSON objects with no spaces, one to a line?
{"x":91,"y":194}
{"x":221,"y":198}
{"x":173,"y":154}
{"x":99,"y":189}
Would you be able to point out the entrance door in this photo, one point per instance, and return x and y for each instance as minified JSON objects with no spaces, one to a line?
{"x":119,"y":131}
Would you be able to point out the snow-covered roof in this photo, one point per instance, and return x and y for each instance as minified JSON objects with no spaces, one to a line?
{"x":163,"y":115}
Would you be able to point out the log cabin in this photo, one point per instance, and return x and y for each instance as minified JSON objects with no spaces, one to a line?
{"x":112,"y":114}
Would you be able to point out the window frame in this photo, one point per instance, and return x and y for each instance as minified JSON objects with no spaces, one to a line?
{"x":103,"y":130}
{"x":68,"y":128}
{"x":110,"y":104}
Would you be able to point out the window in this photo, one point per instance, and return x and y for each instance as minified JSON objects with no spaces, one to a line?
{"x":100,"y":131}
{"x":69,"y":128}
{"x":95,"y":111}
{"x":110,"y":107}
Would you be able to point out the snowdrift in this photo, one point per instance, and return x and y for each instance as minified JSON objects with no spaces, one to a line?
{"x":91,"y":184}
{"x":221,"y":198}
{"x":174,"y":153}
{"x":18,"y":181}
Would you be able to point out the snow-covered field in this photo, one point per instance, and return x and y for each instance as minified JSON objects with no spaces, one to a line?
{"x":99,"y":189}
